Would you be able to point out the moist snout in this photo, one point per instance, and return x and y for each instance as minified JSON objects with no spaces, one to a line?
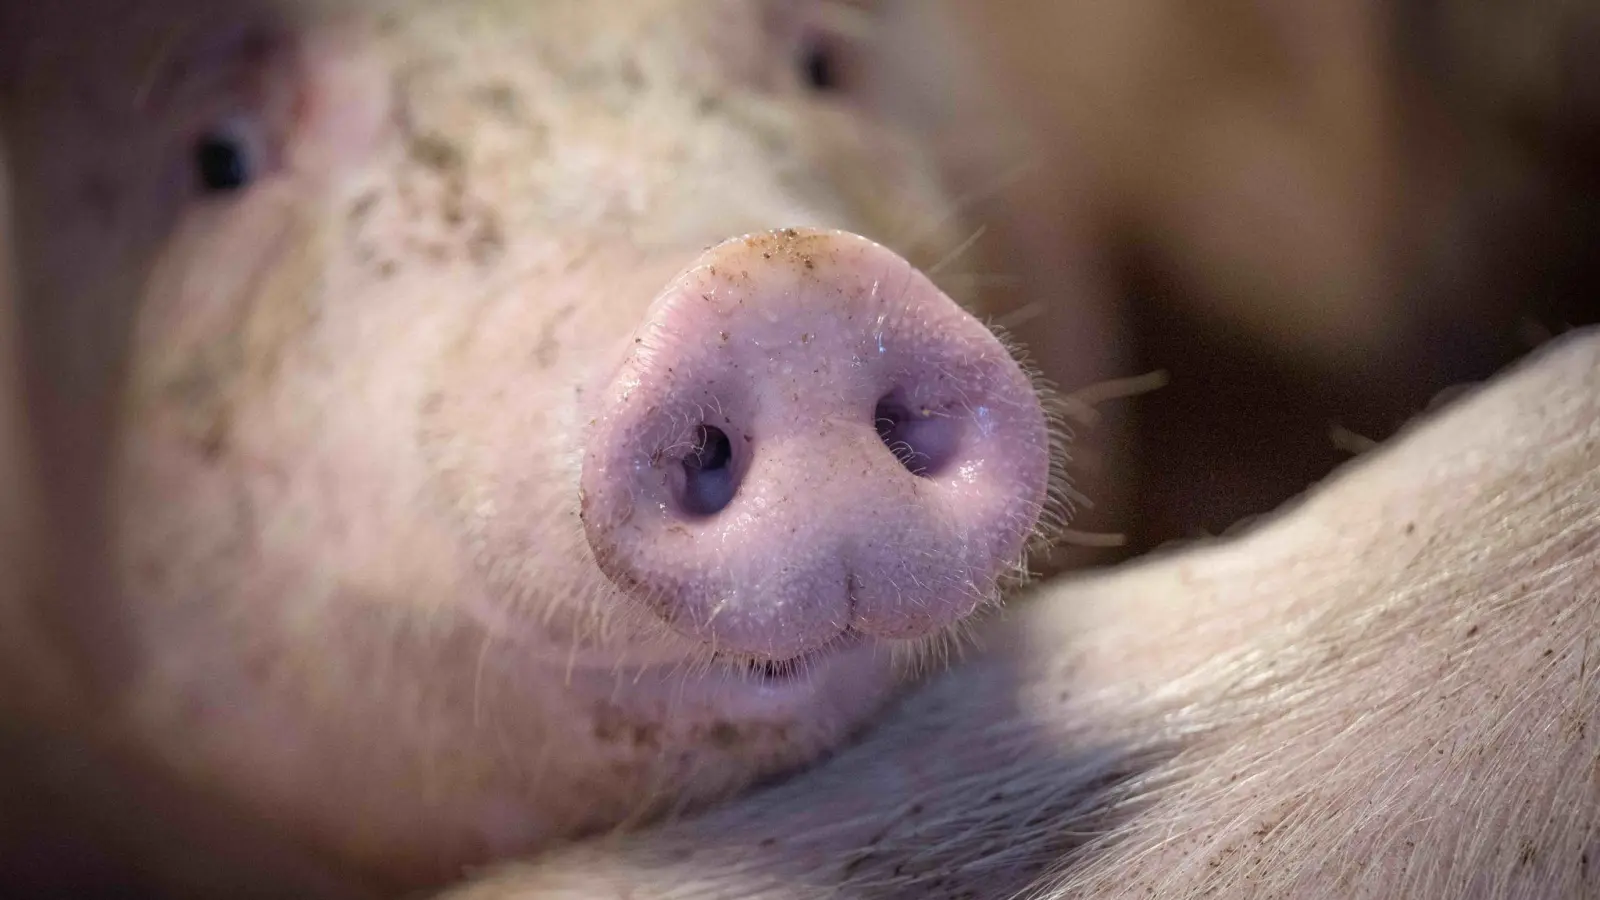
{"x":809,"y":441}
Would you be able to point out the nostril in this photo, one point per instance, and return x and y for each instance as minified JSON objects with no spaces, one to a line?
{"x":708,"y":482}
{"x":924,"y":440}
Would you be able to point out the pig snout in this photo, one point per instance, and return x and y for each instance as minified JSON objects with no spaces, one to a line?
{"x":809,"y":442}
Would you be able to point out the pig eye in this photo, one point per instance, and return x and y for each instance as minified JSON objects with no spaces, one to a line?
{"x":228,"y":158}
{"x":822,"y":61}
{"x":819,"y":65}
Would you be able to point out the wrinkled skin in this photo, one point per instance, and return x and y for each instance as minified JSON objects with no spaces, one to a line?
{"x":326,"y":421}
{"x":1387,"y":690}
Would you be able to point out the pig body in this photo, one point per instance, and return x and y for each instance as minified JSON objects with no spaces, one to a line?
{"x":342,"y":355}
{"x":1388,"y":690}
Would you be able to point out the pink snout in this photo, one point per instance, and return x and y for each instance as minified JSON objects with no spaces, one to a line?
{"x":807,"y":441}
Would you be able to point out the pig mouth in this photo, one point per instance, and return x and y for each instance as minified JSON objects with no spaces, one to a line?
{"x":793,"y":668}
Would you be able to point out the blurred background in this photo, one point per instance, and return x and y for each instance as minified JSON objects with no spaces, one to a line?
{"x":1314,"y":217}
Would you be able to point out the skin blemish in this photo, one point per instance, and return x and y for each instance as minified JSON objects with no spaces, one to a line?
{"x":724,"y":735}
{"x":501,"y":98}
{"x":548,"y":349}
{"x":632,"y":77}
{"x":437,"y":152}
{"x":613,"y":725}
{"x":201,"y":392}
{"x":488,"y":240}
{"x":361,"y":207}
{"x":453,"y":207}
{"x":431,"y":403}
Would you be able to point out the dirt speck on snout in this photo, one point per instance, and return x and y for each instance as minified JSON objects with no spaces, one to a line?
{"x":805,"y":250}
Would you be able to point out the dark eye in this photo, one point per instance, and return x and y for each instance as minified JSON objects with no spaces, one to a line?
{"x":819,"y":65}
{"x":226,"y":159}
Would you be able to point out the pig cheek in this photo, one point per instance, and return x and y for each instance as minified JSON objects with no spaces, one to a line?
{"x":224,"y":303}
{"x":494,"y":465}
{"x":221,"y":311}
{"x":498,"y":433}
{"x":665,"y":749}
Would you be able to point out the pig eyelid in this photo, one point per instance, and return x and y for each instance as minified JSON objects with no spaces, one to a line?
{"x":187,"y":68}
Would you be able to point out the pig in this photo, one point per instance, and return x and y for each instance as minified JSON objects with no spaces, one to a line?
{"x":470,"y":426}
{"x":1388,"y":689}
{"x":219,"y":414}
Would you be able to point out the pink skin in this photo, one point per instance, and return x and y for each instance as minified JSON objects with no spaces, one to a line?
{"x":1386,"y":689}
{"x":809,"y":352}
{"x":351,"y":594}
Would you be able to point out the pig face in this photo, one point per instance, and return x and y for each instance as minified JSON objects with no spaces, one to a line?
{"x":459,"y":497}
